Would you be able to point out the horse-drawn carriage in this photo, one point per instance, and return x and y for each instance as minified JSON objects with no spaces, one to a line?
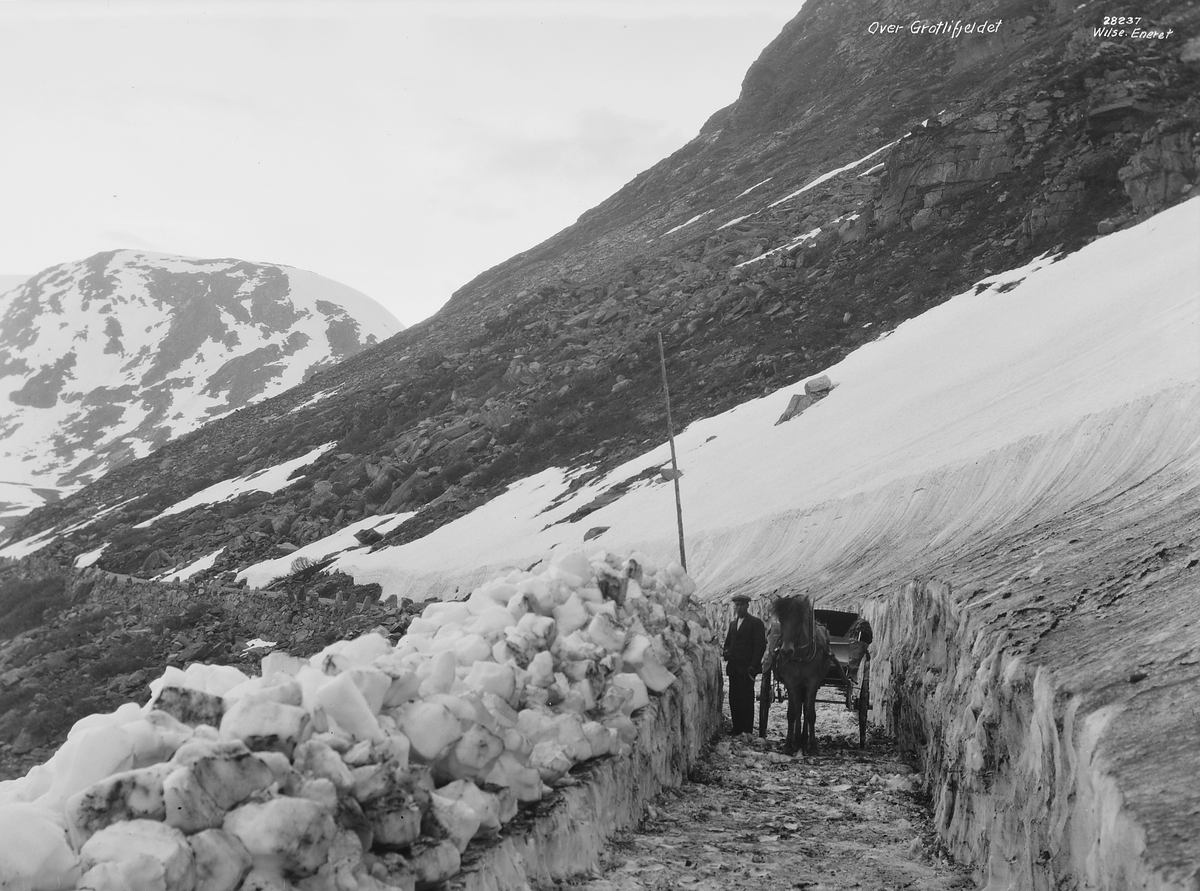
{"x":803,"y":668}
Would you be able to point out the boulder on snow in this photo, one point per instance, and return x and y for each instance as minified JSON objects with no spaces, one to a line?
{"x":819,"y":386}
{"x":814,"y":391}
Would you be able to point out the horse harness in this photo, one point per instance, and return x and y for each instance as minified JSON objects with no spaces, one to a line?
{"x":806,"y":653}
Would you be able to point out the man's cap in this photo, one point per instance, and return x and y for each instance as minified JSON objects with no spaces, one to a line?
{"x":741,"y":598}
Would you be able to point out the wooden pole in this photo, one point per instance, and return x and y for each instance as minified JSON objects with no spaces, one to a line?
{"x":662,"y":358}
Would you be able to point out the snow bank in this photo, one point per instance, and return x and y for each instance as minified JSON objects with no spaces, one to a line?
{"x":367,"y":765}
{"x":269,"y":479}
{"x":1034,"y":351}
{"x":262,"y":574}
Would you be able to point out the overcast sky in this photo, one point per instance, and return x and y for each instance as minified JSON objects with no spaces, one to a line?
{"x":398,"y":147}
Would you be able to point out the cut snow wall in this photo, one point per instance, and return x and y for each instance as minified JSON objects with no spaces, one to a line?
{"x":1020,"y":783}
{"x":570,"y":828}
{"x":1049,"y":679}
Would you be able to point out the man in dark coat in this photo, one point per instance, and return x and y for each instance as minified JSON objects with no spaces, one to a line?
{"x":745,"y":645}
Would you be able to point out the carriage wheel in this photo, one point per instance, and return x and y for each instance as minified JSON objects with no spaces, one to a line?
{"x":864,"y":701}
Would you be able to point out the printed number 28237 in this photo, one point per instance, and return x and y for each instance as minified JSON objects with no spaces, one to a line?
{"x":1122,"y":19}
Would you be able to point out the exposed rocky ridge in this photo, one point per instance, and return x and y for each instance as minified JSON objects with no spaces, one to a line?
{"x":1037,"y":138}
{"x":107,"y":358}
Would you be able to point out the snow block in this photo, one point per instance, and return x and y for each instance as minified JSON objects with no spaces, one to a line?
{"x":574,"y":823}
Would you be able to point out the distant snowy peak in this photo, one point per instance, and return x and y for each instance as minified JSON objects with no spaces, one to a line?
{"x":104,"y":359}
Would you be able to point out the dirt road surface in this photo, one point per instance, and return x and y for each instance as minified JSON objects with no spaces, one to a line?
{"x":752,"y":818}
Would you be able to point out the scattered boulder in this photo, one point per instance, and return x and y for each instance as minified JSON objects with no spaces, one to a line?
{"x":814,"y":391}
{"x":818,"y":386}
{"x":156,"y":561}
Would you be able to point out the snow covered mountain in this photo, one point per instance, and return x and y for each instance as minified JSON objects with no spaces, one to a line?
{"x":105,"y":359}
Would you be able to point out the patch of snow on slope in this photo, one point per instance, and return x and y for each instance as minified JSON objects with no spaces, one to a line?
{"x":83,"y":561}
{"x":27,"y":546}
{"x":794,"y":243}
{"x":1010,"y":278}
{"x":831,"y":174}
{"x":755,"y":186}
{"x":104,"y":512}
{"x":689,"y":222}
{"x":191,"y":569}
{"x":269,"y":479}
{"x":504,"y":524}
{"x":314,"y":399}
{"x":42,"y":539}
{"x":262,"y":574}
{"x":969,"y":377}
{"x":733,"y":222}
{"x":21,"y":497}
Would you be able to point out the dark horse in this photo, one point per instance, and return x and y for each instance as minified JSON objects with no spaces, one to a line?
{"x":803,"y":660}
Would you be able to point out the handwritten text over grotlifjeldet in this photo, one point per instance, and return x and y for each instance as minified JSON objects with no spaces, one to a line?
{"x":936,"y":29}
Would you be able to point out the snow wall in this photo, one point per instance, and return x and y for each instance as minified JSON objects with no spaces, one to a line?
{"x":1042,"y":665}
{"x":567,"y":833}
{"x":1036,"y":643}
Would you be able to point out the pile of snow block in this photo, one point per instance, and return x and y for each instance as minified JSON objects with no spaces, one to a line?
{"x":500,"y":741}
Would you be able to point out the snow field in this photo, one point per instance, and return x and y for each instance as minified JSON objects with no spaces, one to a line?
{"x":1093,"y":335}
{"x":262,"y":574}
{"x":270,"y":479}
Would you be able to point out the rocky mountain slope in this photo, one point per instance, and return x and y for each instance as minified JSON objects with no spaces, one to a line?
{"x":106,"y":359}
{"x":860,"y":179}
